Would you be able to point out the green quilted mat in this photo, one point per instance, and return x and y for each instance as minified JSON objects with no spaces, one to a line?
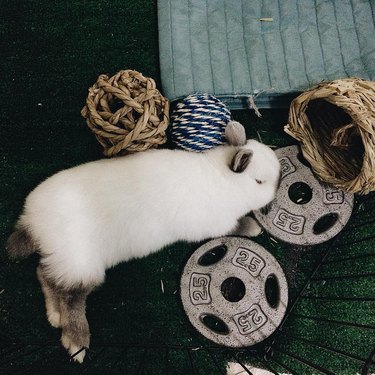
{"x":270,"y":50}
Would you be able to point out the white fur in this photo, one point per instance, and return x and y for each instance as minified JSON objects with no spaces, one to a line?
{"x":94,"y":216}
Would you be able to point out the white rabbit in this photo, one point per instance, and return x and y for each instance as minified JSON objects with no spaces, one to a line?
{"x":87,"y":219}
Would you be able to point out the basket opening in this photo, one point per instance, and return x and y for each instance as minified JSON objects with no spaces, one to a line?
{"x":339,"y":142}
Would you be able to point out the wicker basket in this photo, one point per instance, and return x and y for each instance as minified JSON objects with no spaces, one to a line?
{"x":335,"y":123}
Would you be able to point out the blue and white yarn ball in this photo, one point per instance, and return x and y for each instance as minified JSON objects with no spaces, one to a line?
{"x":198,"y":123}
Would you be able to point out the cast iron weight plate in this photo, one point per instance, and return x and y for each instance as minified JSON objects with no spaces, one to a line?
{"x":305,"y":211}
{"x":234,"y":292}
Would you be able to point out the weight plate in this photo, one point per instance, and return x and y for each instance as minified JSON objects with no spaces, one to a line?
{"x":234,"y":292}
{"x":305,"y":211}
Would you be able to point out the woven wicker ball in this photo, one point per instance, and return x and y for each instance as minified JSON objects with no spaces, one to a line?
{"x":198,"y":123}
{"x":335,"y":123}
{"x":126,"y":113}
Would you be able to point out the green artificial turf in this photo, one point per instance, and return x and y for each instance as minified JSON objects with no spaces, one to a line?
{"x":51,"y":52}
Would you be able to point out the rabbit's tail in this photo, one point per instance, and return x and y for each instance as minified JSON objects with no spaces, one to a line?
{"x":20,"y":243}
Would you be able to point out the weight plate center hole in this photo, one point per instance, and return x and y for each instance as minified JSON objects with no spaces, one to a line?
{"x":233,"y":289}
{"x":300,"y":193}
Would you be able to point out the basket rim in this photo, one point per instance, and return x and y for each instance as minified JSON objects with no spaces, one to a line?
{"x":354,"y":96}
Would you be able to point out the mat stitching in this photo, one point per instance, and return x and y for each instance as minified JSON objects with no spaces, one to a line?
{"x":190,"y":45}
{"x":245,"y":46}
{"x":301,"y":42}
{"x":209,"y":47}
{"x":356,"y":33}
{"x":172,"y":49}
{"x":371,"y":77}
{"x":226,"y":39}
{"x":265,"y":52}
{"x":283,"y":45}
{"x":320,"y":39}
{"x":339,"y":38}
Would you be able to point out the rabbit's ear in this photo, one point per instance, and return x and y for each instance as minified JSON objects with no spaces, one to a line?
{"x":241,"y":160}
{"x":235,"y":134}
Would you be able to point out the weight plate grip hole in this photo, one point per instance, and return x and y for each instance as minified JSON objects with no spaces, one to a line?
{"x":214,"y":324}
{"x":325,"y":222}
{"x":212,"y":256}
{"x":272,"y":291}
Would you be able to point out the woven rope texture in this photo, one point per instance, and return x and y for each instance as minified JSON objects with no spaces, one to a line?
{"x":335,"y":123}
{"x":198,"y":123}
{"x":126,"y":113}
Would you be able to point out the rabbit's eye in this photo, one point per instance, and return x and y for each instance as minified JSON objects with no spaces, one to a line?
{"x":259,"y":181}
